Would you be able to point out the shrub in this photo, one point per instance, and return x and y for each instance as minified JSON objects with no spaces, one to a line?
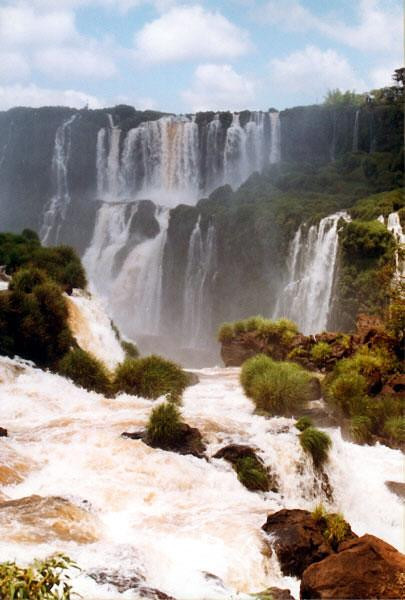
{"x":334,"y":527}
{"x":275,"y":387}
{"x":42,"y":580}
{"x":360,"y":429}
{"x":225,"y":333}
{"x":394,"y":427}
{"x":252,"y":474}
{"x":164,"y":425}
{"x":348,"y":392}
{"x":317,"y":444}
{"x":131,"y":351}
{"x":150,"y":377}
{"x":320,"y":352}
{"x":85,"y":371}
{"x":26,"y":279}
{"x":303,"y":423}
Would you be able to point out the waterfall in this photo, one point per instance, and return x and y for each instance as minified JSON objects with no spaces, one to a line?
{"x":275,"y":136}
{"x":307,"y":296}
{"x":197,"y":302}
{"x":163,"y":159}
{"x":55,"y":212}
{"x":126,"y":270}
{"x":395,"y":227}
{"x":355,"y":146}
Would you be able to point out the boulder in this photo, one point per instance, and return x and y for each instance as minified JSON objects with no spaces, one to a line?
{"x":273,"y":593}
{"x":366,"y":567}
{"x":298,"y":540}
{"x":396,"y":487}
{"x":124,"y":583}
{"x":190,"y":441}
{"x":3,"y":432}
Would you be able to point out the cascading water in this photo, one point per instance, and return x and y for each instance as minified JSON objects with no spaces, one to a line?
{"x":55,"y":212}
{"x":395,"y":227}
{"x":355,"y":146}
{"x":126,"y":269}
{"x":306,"y":298}
{"x":200,"y":272}
{"x":179,"y":524}
{"x":275,"y":136}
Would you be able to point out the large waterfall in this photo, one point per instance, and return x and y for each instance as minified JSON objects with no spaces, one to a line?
{"x":173,"y":160}
{"x":306,"y":297}
{"x":55,"y":211}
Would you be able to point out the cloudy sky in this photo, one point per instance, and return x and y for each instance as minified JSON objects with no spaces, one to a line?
{"x":194,"y":55}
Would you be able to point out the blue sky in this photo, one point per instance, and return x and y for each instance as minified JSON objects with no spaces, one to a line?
{"x":183,"y":56}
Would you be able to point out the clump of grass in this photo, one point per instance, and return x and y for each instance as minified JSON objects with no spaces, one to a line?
{"x":394,"y":427}
{"x":317,"y":444}
{"x":276,"y":388}
{"x":333,"y":525}
{"x":225,"y":333}
{"x":360,"y":429}
{"x":150,"y":377}
{"x":42,"y":580}
{"x":252,"y":474}
{"x":303,"y":423}
{"x":85,"y":371}
{"x":320,"y":353}
{"x":348,"y":393}
{"x":164,"y":425}
{"x":283,"y":330}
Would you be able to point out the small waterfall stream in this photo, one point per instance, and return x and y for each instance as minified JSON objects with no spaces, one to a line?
{"x":307,"y":295}
{"x":168,"y":518}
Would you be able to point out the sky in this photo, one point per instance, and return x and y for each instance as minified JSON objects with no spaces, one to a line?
{"x":184,"y":56}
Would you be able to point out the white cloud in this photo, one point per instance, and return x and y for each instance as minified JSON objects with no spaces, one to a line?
{"x":13,"y":67}
{"x":219,"y":87}
{"x":65,"y":61}
{"x":190,"y":32}
{"x":381,"y":75}
{"x":34,"y":96}
{"x":316,"y":71}
{"x":21,"y":25}
{"x":379,"y":27}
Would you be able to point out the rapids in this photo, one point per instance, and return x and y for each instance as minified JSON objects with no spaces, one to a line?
{"x":168,"y":518}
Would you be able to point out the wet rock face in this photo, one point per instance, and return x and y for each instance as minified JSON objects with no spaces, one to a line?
{"x":365,"y":567}
{"x":123,"y":583}
{"x":298,"y":540}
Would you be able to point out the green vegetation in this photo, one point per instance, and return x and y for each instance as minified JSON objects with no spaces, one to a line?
{"x":34,"y":319}
{"x":337,"y":98}
{"x":360,"y":429}
{"x":317,"y":444}
{"x":320,"y":353}
{"x":42,"y":580}
{"x":276,"y":388}
{"x":303,"y":423}
{"x":252,"y":473}
{"x":131,"y":351}
{"x":60,"y":263}
{"x":394,"y":427}
{"x":150,"y":377}
{"x":85,"y":371}
{"x":164,"y":425}
{"x":282,"y":330}
{"x":334,"y":527}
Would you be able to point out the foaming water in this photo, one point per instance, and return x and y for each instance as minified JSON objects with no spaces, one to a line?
{"x":168,"y":518}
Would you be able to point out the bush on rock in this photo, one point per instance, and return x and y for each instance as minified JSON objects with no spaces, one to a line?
{"x":85,"y":371}
{"x":317,"y":444}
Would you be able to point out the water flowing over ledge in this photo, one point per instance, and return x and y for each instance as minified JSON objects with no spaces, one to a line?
{"x":171,"y":517}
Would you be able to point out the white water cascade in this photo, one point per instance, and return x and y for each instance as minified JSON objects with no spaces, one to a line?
{"x":200,"y":273}
{"x":55,"y":212}
{"x":126,"y":271}
{"x":184,"y":525}
{"x":395,"y":227}
{"x":164,"y":160}
{"x":306,"y":297}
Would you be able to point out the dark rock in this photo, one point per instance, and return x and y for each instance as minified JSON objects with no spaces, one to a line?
{"x":119,"y":581}
{"x":367,"y":326}
{"x":274,"y":593}
{"x":366,"y":567}
{"x":397,"y":488}
{"x":153,"y":594}
{"x":192,"y":378}
{"x":3,"y":432}
{"x":233,"y":453}
{"x":189,"y":442}
{"x":395,"y":385}
{"x":299,"y":540}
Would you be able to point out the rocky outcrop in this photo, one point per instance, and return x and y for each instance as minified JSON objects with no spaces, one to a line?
{"x":298,"y":540}
{"x":235,"y":454}
{"x":124,"y":583}
{"x":189,"y":441}
{"x":273,"y":593}
{"x":366,"y":567}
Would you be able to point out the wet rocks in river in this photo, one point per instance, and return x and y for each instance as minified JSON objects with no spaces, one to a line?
{"x":3,"y":432}
{"x":123,"y":583}
{"x":189,"y":441}
{"x":396,"y":487}
{"x":252,"y":472}
{"x":298,"y":540}
{"x":273,"y":593}
{"x":366,"y":567}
